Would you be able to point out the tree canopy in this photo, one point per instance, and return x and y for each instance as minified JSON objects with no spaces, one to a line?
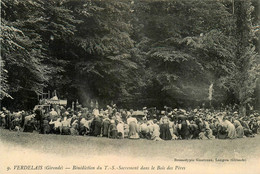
{"x":133,"y":53}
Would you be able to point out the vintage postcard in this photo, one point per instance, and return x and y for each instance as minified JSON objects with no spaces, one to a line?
{"x":130,"y":86}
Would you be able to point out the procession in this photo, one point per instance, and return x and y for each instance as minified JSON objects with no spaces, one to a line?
{"x":148,"y":123}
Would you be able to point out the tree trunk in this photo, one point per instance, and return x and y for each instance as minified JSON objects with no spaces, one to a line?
{"x":242,"y":110}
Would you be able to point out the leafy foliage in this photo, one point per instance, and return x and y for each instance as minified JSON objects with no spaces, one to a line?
{"x":131,"y":52}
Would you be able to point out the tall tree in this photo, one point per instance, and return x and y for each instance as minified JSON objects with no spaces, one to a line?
{"x":26,"y":30}
{"x":247,"y":58}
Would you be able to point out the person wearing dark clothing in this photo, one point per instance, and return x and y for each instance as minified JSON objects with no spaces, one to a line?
{"x":194,"y":130}
{"x":29,"y":126}
{"x":112,"y":130}
{"x":201,"y":125}
{"x":165,"y":133}
{"x":213,"y":127}
{"x":105,"y":127}
{"x":97,"y":126}
{"x":23,"y":119}
{"x":222,"y":132}
{"x":39,"y":118}
{"x":253,"y":125}
{"x":247,"y":131}
{"x":15,"y":124}
{"x":184,"y":131}
{"x":8,"y":120}
{"x":46,"y":127}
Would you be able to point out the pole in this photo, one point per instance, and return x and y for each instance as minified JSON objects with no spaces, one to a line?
{"x":210,"y":93}
{"x":233,"y":6}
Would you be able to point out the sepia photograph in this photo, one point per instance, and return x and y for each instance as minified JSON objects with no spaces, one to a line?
{"x":130,"y":86}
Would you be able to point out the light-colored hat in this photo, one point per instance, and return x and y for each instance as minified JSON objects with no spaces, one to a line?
{"x":183,"y":111}
{"x":75,"y":122}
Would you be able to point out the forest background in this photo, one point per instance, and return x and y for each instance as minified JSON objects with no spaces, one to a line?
{"x":130,"y":52}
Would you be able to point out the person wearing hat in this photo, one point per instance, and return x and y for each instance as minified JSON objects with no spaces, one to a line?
{"x":4,"y":109}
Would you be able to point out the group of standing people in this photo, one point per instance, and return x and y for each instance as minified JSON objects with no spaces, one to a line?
{"x":111,"y":122}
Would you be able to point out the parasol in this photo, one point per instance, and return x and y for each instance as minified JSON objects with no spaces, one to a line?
{"x":183,"y":117}
{"x":138,"y":114}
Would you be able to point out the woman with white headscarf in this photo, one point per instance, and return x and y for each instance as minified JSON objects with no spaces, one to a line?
{"x":133,"y":132}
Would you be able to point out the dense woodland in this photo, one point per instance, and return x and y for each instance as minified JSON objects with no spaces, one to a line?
{"x":131,"y":52}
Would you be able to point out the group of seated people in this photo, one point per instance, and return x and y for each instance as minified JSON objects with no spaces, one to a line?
{"x":169,"y":124}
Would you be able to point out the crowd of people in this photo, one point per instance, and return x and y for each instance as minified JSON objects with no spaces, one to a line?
{"x":152,"y":124}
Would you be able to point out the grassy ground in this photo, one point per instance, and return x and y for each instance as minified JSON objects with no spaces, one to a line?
{"x":128,"y":151}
